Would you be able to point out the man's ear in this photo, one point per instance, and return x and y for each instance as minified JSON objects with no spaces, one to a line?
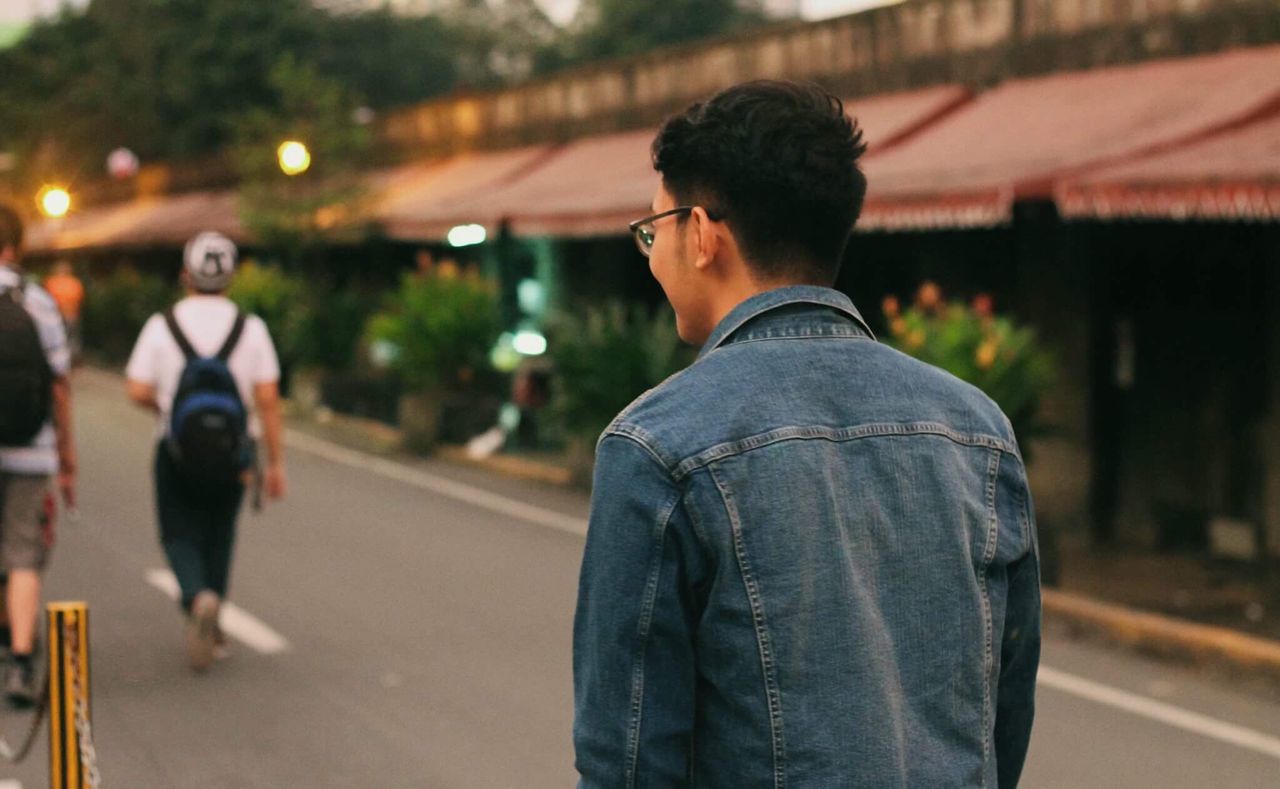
{"x":706,"y":235}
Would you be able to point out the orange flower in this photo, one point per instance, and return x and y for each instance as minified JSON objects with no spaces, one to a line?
{"x":983,"y":305}
{"x":448,"y":269}
{"x":915,"y":339}
{"x":890,"y":306}
{"x":929,"y":296}
{"x":898,"y":326}
{"x":986,"y":355}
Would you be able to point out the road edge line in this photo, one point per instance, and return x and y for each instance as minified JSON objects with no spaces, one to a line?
{"x":1159,"y":711}
{"x":425,"y":480}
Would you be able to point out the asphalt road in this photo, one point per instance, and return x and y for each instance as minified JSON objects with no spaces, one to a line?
{"x":409,"y":626}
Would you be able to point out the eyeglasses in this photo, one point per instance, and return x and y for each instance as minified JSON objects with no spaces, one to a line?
{"x":645,"y":232}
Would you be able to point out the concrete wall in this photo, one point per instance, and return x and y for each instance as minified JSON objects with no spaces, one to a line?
{"x":916,"y":43}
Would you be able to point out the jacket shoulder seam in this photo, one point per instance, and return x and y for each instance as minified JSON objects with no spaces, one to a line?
{"x":826,"y":433}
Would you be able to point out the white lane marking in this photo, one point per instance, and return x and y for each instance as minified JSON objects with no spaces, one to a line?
{"x":236,"y":622}
{"x":10,"y":784}
{"x":1058,"y":680}
{"x":1167,"y":714}
{"x":459,"y":491}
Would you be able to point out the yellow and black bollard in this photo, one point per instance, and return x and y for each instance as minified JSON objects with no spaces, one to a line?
{"x":72,"y":757}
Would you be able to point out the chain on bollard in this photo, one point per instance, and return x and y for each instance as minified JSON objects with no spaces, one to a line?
{"x":73,"y":759}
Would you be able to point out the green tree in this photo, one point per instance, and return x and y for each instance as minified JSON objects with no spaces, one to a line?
{"x":170,"y":79}
{"x":389,"y":60}
{"x":612,"y":28}
{"x":294,"y":212}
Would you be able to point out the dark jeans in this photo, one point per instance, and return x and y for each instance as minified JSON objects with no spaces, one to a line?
{"x":197,"y":528}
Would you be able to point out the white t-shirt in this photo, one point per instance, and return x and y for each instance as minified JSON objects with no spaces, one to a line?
{"x":206,"y":321}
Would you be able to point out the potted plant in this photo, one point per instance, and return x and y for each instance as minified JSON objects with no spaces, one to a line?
{"x":436,"y":332}
{"x":602,"y":360}
{"x":971,"y":342}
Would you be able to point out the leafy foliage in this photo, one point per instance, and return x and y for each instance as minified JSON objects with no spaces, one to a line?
{"x":117,"y":306}
{"x":607,"y":357}
{"x":170,"y":79}
{"x":611,"y":28}
{"x":269,"y":293}
{"x":173,"y":79}
{"x":969,"y":341}
{"x":313,"y":324}
{"x":440,"y":328}
{"x":296,"y":211}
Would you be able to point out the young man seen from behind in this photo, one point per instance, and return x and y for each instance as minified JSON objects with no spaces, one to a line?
{"x":811,"y":559}
{"x":35,"y":444}
{"x":212,"y":375}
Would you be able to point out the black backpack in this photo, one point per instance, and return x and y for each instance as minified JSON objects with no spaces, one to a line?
{"x":208,"y":423}
{"x":26,"y":380}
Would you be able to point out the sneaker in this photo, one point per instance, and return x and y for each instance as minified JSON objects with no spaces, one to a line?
{"x":20,"y":685}
{"x":202,"y":625}
{"x":220,"y":649}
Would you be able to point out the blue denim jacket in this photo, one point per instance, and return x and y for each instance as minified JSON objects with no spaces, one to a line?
{"x":811,"y":562}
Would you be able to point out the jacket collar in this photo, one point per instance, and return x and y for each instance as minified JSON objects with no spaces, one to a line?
{"x":770,"y":300}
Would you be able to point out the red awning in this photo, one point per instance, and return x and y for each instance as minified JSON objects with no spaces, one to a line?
{"x":1232,"y":176}
{"x":1017,"y":139}
{"x":419,"y":201}
{"x":145,"y":222}
{"x":595,"y":186}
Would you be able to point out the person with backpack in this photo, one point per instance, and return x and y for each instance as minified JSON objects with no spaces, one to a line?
{"x":211,"y":374}
{"x":35,"y":444}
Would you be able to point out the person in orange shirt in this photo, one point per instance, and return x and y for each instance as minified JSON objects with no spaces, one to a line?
{"x":67,"y":290}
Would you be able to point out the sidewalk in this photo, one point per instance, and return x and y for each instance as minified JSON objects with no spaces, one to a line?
{"x":1190,"y":609}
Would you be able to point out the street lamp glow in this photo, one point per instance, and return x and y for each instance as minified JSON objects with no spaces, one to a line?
{"x":294,"y":157}
{"x":54,"y":201}
{"x":530,"y":343}
{"x":467,"y":235}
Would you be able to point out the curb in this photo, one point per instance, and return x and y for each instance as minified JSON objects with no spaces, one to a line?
{"x":381,"y":439}
{"x":509,"y":465}
{"x":1163,"y":636}
{"x":1166,"y":637}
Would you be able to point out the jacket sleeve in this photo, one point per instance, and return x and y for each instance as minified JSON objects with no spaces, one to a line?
{"x":633,"y":651}
{"x":1020,"y":637}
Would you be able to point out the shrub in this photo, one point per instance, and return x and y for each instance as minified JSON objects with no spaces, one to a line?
{"x":330,"y":326}
{"x":116,"y":307}
{"x":438,"y":330}
{"x":974,"y":344}
{"x":269,"y":293}
{"x":606,"y":358}
{"x":313,"y":323}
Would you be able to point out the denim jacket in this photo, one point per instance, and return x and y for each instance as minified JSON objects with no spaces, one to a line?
{"x":811,"y":562}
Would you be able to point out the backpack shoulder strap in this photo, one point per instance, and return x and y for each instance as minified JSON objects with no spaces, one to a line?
{"x":237,"y":328}
{"x":16,"y":292}
{"x":172,"y":322}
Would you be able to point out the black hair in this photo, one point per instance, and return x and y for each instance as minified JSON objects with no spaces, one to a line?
{"x":10,"y":227}
{"x":777,"y":161}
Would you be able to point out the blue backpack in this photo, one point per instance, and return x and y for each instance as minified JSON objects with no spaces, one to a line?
{"x":208,"y":423}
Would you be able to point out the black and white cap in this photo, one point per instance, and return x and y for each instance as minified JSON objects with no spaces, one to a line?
{"x":210,"y":261}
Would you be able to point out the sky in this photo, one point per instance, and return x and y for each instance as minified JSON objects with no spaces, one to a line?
{"x":561,"y":10}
